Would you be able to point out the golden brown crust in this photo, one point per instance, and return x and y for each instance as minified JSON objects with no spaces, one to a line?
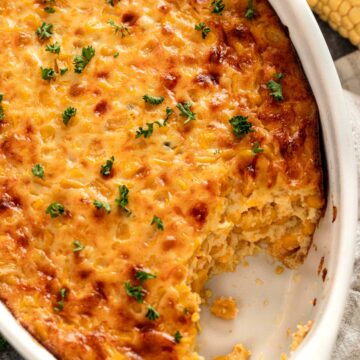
{"x":217,"y":199}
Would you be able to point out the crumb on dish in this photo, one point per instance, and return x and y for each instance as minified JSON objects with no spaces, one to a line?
{"x":299,"y":335}
{"x":239,"y":353}
{"x":225,"y":308}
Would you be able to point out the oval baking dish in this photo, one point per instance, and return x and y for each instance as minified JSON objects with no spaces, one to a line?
{"x":288,"y":300}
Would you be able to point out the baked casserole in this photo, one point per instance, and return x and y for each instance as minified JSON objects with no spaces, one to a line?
{"x":146,"y":145}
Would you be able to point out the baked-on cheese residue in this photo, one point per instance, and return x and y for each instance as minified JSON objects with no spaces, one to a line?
{"x":145,"y":145}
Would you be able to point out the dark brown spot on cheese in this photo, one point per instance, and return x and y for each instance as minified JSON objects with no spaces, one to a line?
{"x":243,"y":34}
{"x":77,"y":90}
{"x":101,"y":108}
{"x":170,"y":81}
{"x":211,"y":78}
{"x":99,"y":288}
{"x":217,"y":54}
{"x":199,"y":212}
{"x":102,"y":74}
{"x":129,"y":18}
{"x":9,"y":202}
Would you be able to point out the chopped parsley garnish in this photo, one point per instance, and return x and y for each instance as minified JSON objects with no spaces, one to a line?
{"x":153,"y":100}
{"x":38,"y":171}
{"x":185,"y":109}
{"x":60,"y":303}
{"x":68,"y":114}
{"x":152,"y":314}
{"x":159,"y":224}
{"x":55,"y":210}
{"x":218,"y":6}
{"x":177,"y":336}
{"x":123,"y":199}
{"x":78,"y":246}
{"x":257,"y":149}
{"x":102,"y":205}
{"x":107,"y":167}
{"x":241,"y":126}
{"x":169,"y":112}
{"x":2,"y":114}
{"x":137,"y":292}
{"x":49,"y":9}
{"x":119,"y":28}
{"x":54,"y":48}
{"x":3,"y":343}
{"x":150,"y":129}
{"x":81,"y":61}
{"x":111,"y":2}
{"x":116,"y":55}
{"x":47,"y":73}
{"x":276,"y":87}
{"x":44,"y":31}
{"x":63,"y":71}
{"x":203,"y":28}
{"x":250,"y":11}
{"x":143,"y":276}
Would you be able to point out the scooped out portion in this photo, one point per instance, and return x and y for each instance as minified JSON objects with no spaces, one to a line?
{"x":146,"y":146}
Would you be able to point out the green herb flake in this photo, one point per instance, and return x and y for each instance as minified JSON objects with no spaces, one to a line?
{"x":257,"y":149}
{"x":107,"y":167}
{"x":123,"y":199}
{"x":3,"y":343}
{"x":218,"y":7}
{"x":102,"y":205}
{"x":63,"y":71}
{"x":68,"y":113}
{"x":78,"y":246}
{"x":44,"y":31}
{"x":153,"y":100}
{"x":177,"y":337}
{"x":137,"y":292}
{"x":169,"y":112}
{"x":49,"y":9}
{"x":55,"y":210}
{"x":111,"y":2}
{"x":143,"y":276}
{"x":159,"y":224}
{"x":185,"y":109}
{"x":38,"y":171}
{"x":81,"y":61}
{"x":47,"y":73}
{"x":116,"y":55}
{"x":54,"y":48}
{"x":61,"y":302}
{"x":2,"y":113}
{"x":276,"y":87}
{"x":203,"y":28}
{"x":250,"y":10}
{"x":241,"y":126}
{"x":152,"y":314}
{"x":119,"y":28}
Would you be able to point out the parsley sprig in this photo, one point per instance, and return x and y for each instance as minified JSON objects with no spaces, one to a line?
{"x":256,"y":149}
{"x":102,"y":205}
{"x":38,"y":171}
{"x":152,"y":314}
{"x":241,"y":126}
{"x":107,"y":167}
{"x":203,"y":28}
{"x":123,"y":199}
{"x":47,"y":73}
{"x":250,"y":10}
{"x":44,"y":31}
{"x":119,"y":28}
{"x":177,"y":336}
{"x":55,"y":210}
{"x":53,"y":48}
{"x":158,"y":222}
{"x":61,"y":302}
{"x":68,"y":113}
{"x":153,"y":100}
{"x":78,"y":246}
{"x":81,"y":61}
{"x":2,"y":113}
{"x":137,"y":292}
{"x":276,"y":87}
{"x":143,"y":276}
{"x":185,"y":109}
{"x":218,"y":6}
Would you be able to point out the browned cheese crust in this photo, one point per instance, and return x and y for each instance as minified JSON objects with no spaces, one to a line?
{"x":218,"y":197}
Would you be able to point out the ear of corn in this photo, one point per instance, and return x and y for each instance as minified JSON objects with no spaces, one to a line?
{"x":342,"y":15}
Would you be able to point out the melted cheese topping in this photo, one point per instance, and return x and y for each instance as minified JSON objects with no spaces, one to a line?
{"x":216,"y":199}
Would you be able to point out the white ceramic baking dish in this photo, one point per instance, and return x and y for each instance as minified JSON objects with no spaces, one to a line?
{"x":271,"y":304}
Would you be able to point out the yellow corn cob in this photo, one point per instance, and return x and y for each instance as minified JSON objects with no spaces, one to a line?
{"x":342,"y":15}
